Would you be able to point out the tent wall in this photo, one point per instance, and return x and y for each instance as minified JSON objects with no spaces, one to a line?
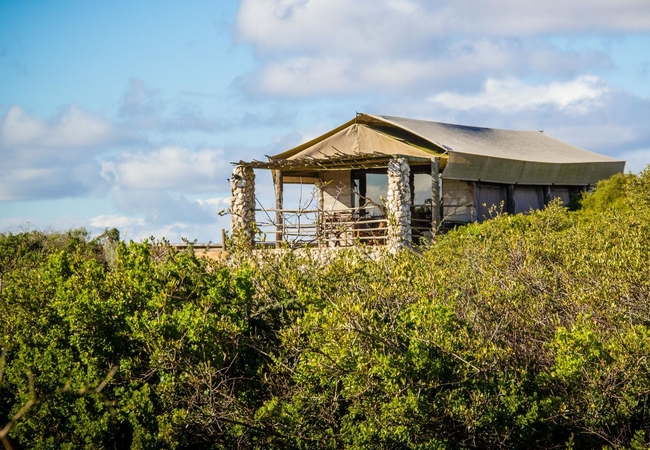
{"x":489,"y":199}
{"x":464,"y":166}
{"x":527,"y":198}
{"x":494,"y":196}
{"x":336,"y":192}
{"x":561,"y":192}
{"x":456,"y":201}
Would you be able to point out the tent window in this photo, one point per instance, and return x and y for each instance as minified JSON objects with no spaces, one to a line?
{"x":421,"y":189}
{"x":372,"y":185}
{"x":376,"y":188}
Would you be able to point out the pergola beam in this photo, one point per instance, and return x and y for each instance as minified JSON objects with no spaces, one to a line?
{"x":366,"y":161}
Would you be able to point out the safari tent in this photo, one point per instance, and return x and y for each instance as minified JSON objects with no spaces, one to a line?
{"x":382,"y":179}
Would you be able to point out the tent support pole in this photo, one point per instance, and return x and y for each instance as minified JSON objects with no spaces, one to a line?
{"x":435,"y":195}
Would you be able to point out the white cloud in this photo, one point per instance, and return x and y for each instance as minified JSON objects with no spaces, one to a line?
{"x":324,"y":47}
{"x":57,"y":181}
{"x":509,"y":17}
{"x":131,"y":228}
{"x":578,"y":95}
{"x":156,"y":184}
{"x":143,"y":108}
{"x":636,"y":160}
{"x":115,"y":221}
{"x":139,"y":99}
{"x":159,"y":207}
{"x":215,"y":205}
{"x":585,"y":111}
{"x":73,"y":155}
{"x":68,"y":156}
{"x":138,"y":229}
{"x":389,"y":26}
{"x":459,"y":64}
{"x":176,"y":231}
{"x":55,"y":157}
{"x":73,"y":127}
{"x":362,"y":26}
{"x":214,"y":202}
{"x":174,"y":168}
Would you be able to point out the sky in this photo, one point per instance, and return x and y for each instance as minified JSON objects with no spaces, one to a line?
{"x":129,"y":114}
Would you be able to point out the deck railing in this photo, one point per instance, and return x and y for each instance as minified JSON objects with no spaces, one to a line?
{"x":334,"y":228}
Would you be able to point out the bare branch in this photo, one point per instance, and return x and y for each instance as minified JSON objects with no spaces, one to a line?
{"x":87,"y":390}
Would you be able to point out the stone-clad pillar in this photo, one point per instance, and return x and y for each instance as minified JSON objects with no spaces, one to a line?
{"x":398,"y":204}
{"x":242,"y":207}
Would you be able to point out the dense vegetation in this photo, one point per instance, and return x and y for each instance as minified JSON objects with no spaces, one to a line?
{"x":525,"y":331}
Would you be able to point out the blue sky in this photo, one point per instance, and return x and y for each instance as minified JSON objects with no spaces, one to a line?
{"x":128,"y":114}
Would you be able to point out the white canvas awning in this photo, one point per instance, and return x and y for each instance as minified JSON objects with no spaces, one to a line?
{"x":359,"y":139}
{"x":467,"y":153}
{"x":509,"y":156}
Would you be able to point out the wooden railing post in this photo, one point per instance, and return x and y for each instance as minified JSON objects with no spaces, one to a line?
{"x":279,"y":217}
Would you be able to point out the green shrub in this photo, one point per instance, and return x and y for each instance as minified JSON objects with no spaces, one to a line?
{"x":521,"y":332}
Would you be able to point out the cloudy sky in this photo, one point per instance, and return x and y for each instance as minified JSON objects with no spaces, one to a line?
{"x":128,"y":114}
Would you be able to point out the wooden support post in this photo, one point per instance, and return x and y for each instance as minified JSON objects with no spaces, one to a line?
{"x":546,"y":190}
{"x":510,"y":199}
{"x":320,"y":219}
{"x":279,"y":218}
{"x":435,"y":195}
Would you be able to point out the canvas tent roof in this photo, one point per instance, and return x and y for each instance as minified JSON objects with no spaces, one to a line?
{"x":467,"y":153}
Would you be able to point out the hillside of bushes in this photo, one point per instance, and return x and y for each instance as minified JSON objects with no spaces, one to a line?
{"x":522,"y":332}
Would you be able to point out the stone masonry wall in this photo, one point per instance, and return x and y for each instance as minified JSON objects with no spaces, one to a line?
{"x":242,"y":207}
{"x":398,"y":204}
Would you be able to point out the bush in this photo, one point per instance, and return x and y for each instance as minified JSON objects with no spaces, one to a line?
{"x":523,"y":331}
